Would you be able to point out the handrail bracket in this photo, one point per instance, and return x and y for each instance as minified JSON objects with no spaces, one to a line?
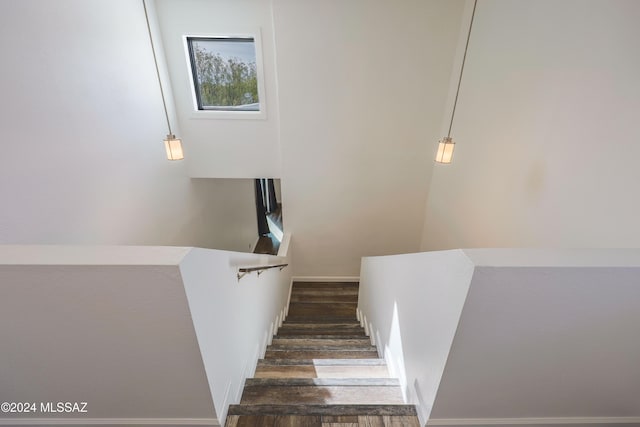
{"x":243,"y":271}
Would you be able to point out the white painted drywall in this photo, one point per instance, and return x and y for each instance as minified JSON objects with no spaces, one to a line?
{"x":222,"y":148}
{"x":91,"y":255}
{"x":411,"y":305}
{"x":82,"y":155}
{"x":234,"y":319}
{"x":144,"y":335}
{"x":226,"y":213}
{"x":546,"y":130}
{"x":361,"y":87}
{"x":544,"y":340}
{"x":278,"y":190}
{"x":544,"y":336}
{"x":117,"y":336}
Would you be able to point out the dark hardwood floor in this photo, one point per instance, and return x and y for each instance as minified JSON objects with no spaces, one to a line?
{"x":321,"y":421}
{"x":267,"y":245}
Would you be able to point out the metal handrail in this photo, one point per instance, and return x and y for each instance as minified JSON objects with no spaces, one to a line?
{"x":243,"y":271}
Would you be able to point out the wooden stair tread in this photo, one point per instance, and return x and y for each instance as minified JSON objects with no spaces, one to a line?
{"x":360,"y":409}
{"x":326,"y":323}
{"x":359,"y":337}
{"x":315,"y":340}
{"x":319,"y":394}
{"x":324,"y":299}
{"x":324,"y":295}
{"x":322,"y":362}
{"x":322,"y":304}
{"x":324,"y":285}
{"x":322,"y":347}
{"x":321,"y":369}
{"x":342,"y":332}
{"x":311,"y":318}
{"x":321,"y":319}
{"x":324,"y":290}
{"x":359,"y":333}
{"x":319,"y":306}
{"x":321,"y":323}
{"x":320,"y":329}
{"x":321,"y":354}
{"x":343,"y":382}
{"x":289,"y":420}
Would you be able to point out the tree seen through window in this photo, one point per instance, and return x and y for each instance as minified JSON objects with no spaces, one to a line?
{"x":224,"y":73}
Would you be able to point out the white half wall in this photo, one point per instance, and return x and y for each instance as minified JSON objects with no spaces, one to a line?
{"x":143,"y":335}
{"x":107,"y":326}
{"x":411,"y":305}
{"x":234,"y":319}
{"x":362,"y":86}
{"x":542,"y":337}
{"x":546,"y":130}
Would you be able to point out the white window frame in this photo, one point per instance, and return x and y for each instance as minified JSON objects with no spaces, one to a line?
{"x":221,"y":114}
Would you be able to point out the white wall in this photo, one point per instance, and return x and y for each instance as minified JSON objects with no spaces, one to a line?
{"x":234,"y":319}
{"x":106,"y":326}
{"x":222,"y":148}
{"x":82,"y":122}
{"x":362,"y":85}
{"x":542,"y":337}
{"x":227,"y":213}
{"x":410,"y":305}
{"x":145,"y":335}
{"x":546,"y":130}
{"x":549,"y":335}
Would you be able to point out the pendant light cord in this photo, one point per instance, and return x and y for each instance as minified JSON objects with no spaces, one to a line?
{"x":155,"y":61}
{"x":464,"y":58}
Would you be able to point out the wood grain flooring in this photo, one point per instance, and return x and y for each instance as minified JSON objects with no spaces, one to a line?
{"x":321,"y":421}
{"x":321,"y":369}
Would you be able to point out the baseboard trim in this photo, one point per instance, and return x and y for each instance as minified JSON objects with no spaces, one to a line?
{"x":110,"y":421}
{"x":532,"y":421}
{"x":326,"y":278}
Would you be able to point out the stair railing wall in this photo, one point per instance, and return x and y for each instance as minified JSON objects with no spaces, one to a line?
{"x":527,"y":327}
{"x":410,"y":306}
{"x":234,"y":319}
{"x":170,"y":330}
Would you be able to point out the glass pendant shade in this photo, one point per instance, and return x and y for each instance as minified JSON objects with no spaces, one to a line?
{"x":173,"y":146}
{"x":446,"y":145}
{"x":445,"y":150}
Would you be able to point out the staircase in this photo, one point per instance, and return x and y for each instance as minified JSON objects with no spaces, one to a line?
{"x":321,"y":369}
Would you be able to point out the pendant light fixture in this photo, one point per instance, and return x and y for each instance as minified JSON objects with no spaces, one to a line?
{"x":446,"y":144}
{"x":172,"y":145}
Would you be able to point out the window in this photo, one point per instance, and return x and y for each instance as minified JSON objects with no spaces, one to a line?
{"x":224,"y":73}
